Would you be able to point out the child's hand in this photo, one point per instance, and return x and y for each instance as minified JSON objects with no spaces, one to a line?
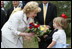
{"x":48,"y":26}
{"x":45,"y":36}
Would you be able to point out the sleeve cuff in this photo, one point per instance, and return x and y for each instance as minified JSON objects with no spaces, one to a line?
{"x":54,"y":40}
{"x":17,"y":33}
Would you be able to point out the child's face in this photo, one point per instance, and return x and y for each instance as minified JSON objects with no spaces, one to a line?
{"x":54,"y":25}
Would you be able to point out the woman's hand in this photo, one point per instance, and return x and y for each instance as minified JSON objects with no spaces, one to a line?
{"x":39,"y":40}
{"x":33,"y":34}
{"x":27,"y":34}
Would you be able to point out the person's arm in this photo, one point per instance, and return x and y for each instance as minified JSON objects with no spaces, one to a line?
{"x":14,"y":21}
{"x":55,"y":37}
{"x":26,"y":34}
{"x":52,"y":44}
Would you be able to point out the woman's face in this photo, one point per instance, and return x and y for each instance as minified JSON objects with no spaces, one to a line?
{"x":33,"y":14}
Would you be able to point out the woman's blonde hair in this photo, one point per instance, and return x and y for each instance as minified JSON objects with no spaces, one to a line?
{"x":31,"y":6}
{"x":60,"y":22}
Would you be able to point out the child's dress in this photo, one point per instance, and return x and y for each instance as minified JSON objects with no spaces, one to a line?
{"x":60,"y":38}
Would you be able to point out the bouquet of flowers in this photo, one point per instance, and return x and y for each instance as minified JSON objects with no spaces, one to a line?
{"x":39,"y":30}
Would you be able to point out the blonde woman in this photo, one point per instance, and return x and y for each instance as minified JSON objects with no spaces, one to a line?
{"x":14,"y":29}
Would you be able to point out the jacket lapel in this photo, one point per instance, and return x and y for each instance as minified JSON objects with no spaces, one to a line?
{"x":25,"y":18}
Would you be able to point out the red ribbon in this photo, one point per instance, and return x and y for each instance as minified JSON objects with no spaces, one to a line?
{"x":64,"y":16}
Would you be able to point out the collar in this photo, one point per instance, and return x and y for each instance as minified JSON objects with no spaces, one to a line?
{"x":46,"y":4}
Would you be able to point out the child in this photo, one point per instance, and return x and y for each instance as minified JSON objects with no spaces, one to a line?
{"x":59,"y":37}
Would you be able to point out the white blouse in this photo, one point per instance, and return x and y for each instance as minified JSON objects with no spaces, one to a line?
{"x":59,"y":37}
